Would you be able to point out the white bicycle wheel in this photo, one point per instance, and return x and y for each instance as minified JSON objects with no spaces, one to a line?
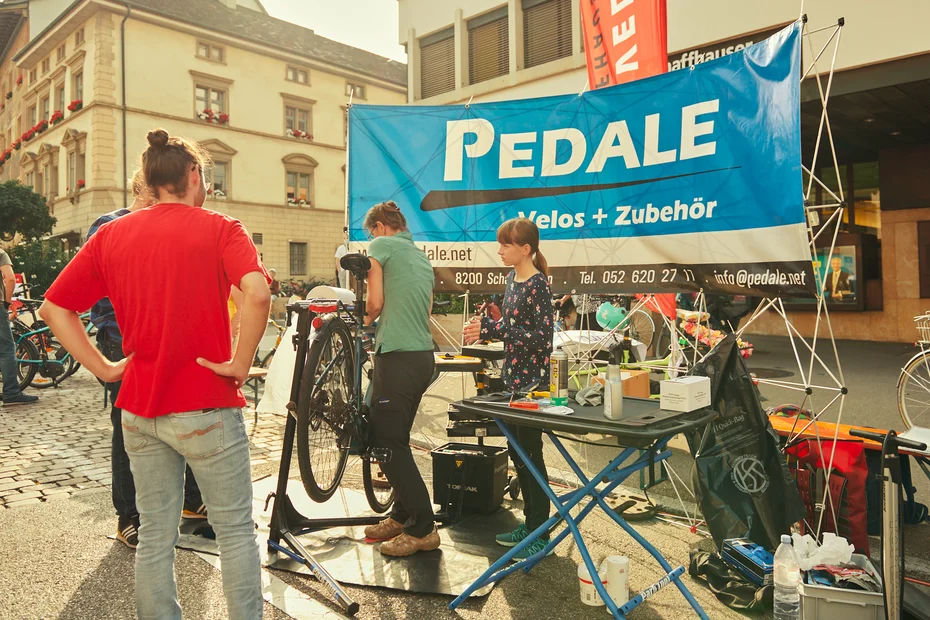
{"x":914,"y":391}
{"x":642,"y":327}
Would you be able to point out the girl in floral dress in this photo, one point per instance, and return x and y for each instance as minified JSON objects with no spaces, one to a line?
{"x":526,"y":329}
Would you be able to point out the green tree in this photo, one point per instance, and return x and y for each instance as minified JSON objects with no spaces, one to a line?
{"x":23,"y":211}
{"x":41,"y":260}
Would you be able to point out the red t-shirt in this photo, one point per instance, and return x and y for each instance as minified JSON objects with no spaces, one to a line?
{"x":167,"y":270}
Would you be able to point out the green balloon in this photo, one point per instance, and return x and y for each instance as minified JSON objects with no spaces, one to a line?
{"x":610,"y":316}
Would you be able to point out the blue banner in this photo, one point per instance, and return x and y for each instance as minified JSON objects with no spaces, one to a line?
{"x":683,"y":181}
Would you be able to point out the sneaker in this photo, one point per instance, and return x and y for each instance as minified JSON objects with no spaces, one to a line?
{"x":194,"y":512}
{"x":405,"y":544}
{"x":386,"y":530}
{"x":532,"y":549}
{"x":514,"y":538}
{"x":127,"y":531}
{"x":20,"y":399}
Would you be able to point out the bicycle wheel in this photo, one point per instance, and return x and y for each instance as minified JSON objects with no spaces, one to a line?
{"x":642,"y":327}
{"x":27,"y":357}
{"x":266,"y":361}
{"x":378,"y":490}
{"x":324,"y":410}
{"x":914,"y":391}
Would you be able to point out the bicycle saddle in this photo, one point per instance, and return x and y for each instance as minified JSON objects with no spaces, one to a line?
{"x":358,"y":264}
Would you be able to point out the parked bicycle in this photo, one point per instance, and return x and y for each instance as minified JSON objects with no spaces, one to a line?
{"x":914,"y":380}
{"x":265,"y":362}
{"x":43,"y":360}
{"x":331,"y":412}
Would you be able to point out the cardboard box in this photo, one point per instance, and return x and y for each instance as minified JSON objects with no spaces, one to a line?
{"x":684,"y":394}
{"x":635,"y":382}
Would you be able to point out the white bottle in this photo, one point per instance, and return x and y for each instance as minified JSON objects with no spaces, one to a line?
{"x":787,"y":578}
{"x":613,"y":387}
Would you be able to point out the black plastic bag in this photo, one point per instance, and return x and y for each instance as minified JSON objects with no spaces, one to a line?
{"x":740,"y":477}
{"x":729,"y":586}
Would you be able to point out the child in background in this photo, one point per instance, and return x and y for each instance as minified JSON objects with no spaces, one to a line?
{"x":526,"y":329}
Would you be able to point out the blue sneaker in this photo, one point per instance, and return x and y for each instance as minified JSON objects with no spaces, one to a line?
{"x":514,"y":538}
{"x":532,"y":549}
{"x":20,"y":399}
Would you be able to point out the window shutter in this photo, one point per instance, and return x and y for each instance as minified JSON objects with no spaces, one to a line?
{"x":488,"y":47}
{"x":437,"y":64}
{"x":547,"y":31}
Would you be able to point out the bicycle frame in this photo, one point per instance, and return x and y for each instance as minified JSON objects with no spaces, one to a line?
{"x":41,"y":332}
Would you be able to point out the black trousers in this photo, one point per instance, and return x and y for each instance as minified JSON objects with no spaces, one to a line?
{"x":399,"y":380}
{"x":535,"y":500}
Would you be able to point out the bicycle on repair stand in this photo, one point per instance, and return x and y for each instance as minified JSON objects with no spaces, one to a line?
{"x":328,"y":420}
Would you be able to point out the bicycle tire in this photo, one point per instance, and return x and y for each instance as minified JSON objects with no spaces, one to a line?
{"x":910,"y":375}
{"x":26,"y":350}
{"x":642,"y":327}
{"x":320,"y":426}
{"x":266,"y":361}
{"x":380,"y":499}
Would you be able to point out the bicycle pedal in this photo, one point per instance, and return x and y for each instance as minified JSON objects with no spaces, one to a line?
{"x":379,"y":455}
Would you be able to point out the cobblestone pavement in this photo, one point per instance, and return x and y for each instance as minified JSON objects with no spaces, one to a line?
{"x":60,"y":447}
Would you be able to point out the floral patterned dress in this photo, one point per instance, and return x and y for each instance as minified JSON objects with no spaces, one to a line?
{"x":526,"y":329}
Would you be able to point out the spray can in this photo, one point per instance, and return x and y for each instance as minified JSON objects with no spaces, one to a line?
{"x":613,"y":387}
{"x":558,"y":377}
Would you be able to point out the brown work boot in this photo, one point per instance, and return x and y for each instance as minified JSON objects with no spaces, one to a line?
{"x":386,"y":530}
{"x":405,"y":544}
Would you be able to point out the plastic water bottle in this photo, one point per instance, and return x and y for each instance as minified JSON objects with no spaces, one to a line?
{"x":787,"y":578}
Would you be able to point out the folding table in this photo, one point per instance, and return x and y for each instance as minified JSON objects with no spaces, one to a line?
{"x":645,"y":426}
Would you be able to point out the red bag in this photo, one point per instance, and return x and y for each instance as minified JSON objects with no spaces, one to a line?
{"x":846,"y":487}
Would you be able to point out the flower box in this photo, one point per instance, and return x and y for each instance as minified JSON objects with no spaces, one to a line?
{"x":9,"y":95}
{"x":210,"y":116}
{"x":57,"y":117}
{"x":300,"y":135}
{"x":75,"y":105}
{"x":19,"y":81}
{"x":40,"y":127}
{"x":80,"y":184}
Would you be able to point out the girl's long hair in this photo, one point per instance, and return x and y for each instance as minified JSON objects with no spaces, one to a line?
{"x":522,"y":231}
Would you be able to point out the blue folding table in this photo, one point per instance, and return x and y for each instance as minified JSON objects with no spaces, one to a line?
{"x":645,"y":426}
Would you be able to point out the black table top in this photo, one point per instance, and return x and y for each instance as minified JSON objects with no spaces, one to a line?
{"x":643,"y":423}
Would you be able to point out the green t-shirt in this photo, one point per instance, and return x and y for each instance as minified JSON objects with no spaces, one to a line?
{"x":408,"y":293}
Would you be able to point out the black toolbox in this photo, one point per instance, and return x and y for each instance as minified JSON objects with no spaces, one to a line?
{"x":469,"y":477}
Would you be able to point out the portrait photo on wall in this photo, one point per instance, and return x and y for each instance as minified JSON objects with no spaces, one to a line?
{"x":836,"y":274}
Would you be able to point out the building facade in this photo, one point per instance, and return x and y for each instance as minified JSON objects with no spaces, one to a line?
{"x":85,"y":81}
{"x":489,"y":50}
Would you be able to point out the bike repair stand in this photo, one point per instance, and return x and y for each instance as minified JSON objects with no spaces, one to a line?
{"x":897,"y":594}
{"x":287,"y":523}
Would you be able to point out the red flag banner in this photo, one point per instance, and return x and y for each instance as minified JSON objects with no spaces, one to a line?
{"x":625,"y":40}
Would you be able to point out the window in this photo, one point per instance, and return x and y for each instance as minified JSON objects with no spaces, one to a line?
{"x":45,"y":110}
{"x":298,"y":188}
{"x":437,"y":64}
{"x":77,"y":87}
{"x":866,"y":198}
{"x":31,"y":179}
{"x":218,"y":175}
{"x":547,"y":31}
{"x":488,"y":46}
{"x":75,"y":169}
{"x":61,"y":53}
{"x":210,"y":99}
{"x":356,"y":90}
{"x":296,"y":74}
{"x":257,"y":238}
{"x":32,"y":77}
{"x":298,"y":258}
{"x":60,"y":98}
{"x":212,"y":52}
{"x":33,"y":119}
{"x":52,"y":177}
{"x":45,"y":65}
{"x":296,"y":119}
{"x":78,"y":37}
{"x":47,"y":181}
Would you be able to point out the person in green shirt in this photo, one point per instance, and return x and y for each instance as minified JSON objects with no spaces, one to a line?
{"x":400,"y":293}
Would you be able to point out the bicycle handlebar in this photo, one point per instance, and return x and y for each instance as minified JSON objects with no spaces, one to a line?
{"x":880,"y":438}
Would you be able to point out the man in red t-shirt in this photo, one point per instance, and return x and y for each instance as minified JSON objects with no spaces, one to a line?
{"x":180,"y":395}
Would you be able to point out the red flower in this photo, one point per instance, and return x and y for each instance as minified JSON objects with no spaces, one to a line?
{"x":75,"y":105}
{"x":19,"y":81}
{"x":224,"y":118}
{"x":57,"y":117}
{"x":80,"y":184}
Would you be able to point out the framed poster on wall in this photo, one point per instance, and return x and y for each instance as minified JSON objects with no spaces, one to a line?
{"x":839,"y":275}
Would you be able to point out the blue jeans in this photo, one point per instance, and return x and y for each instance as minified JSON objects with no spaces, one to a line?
{"x":215,"y":445}
{"x":8,"y":366}
{"x":124,"y":488}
